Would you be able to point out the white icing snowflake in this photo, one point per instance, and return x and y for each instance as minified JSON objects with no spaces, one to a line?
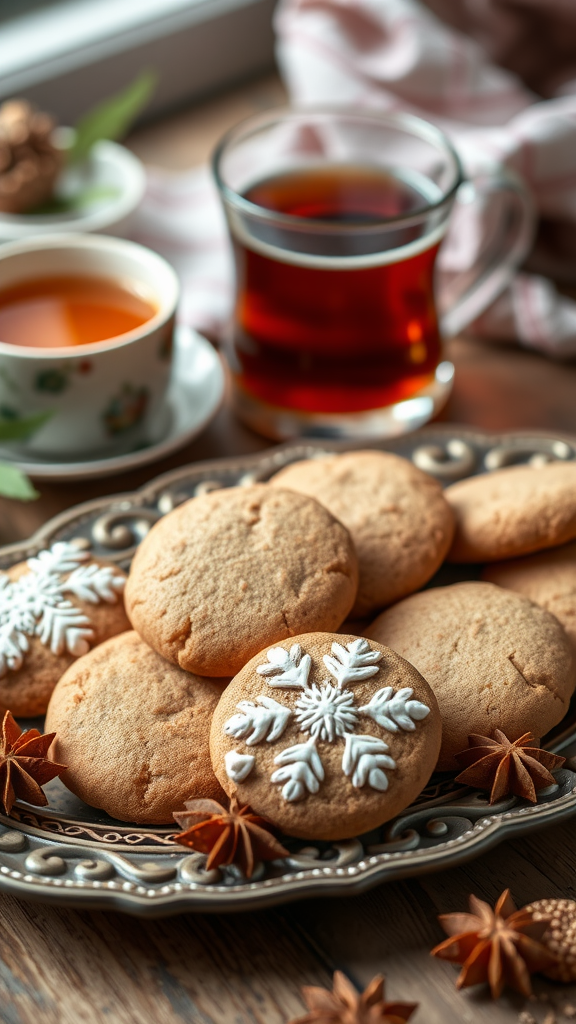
{"x":265,"y":722}
{"x":394,"y":711}
{"x":302,"y":770}
{"x":326,"y":713}
{"x":288,"y":669}
{"x":37,"y":605}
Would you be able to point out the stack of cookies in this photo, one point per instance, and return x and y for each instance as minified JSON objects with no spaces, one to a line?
{"x":284,"y":652}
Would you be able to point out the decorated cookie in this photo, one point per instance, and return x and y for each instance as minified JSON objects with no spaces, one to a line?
{"x":494,"y":659}
{"x":229,"y":573}
{"x":134,"y":731}
{"x":326,"y":736}
{"x":53,"y":608}
{"x":513,"y":512}
{"x":548,"y":578}
{"x":397,"y":516}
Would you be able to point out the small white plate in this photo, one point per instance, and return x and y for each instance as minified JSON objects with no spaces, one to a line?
{"x":193,"y":399}
{"x":112,"y":179}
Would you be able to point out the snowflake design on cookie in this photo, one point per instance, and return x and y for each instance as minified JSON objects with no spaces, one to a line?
{"x":257,"y":723}
{"x":38,"y":604}
{"x":327,"y":713}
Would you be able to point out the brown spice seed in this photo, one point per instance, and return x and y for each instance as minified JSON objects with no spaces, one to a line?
{"x":24,"y":764}
{"x":344,"y":1005}
{"x":500,"y":946}
{"x":496,"y":763}
{"x":233,"y":836}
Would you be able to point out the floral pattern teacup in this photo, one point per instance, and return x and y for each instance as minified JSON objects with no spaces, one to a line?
{"x":96,"y":398}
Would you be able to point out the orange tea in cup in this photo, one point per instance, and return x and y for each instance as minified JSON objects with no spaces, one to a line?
{"x":65,"y":311}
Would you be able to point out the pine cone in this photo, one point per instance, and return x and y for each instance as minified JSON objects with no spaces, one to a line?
{"x":29,"y":160}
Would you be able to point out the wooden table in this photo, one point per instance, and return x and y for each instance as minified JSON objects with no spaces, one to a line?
{"x":65,"y":967}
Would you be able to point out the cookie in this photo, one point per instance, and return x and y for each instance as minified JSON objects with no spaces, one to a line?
{"x":513,"y":512}
{"x":326,"y":736}
{"x":494,"y":659}
{"x":54,"y":608}
{"x":559,"y":937}
{"x":397,"y":516}
{"x":228,"y":573}
{"x":548,"y":578}
{"x":133,"y":730}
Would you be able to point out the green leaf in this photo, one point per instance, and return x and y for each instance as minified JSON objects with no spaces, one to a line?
{"x":22,"y":429}
{"x":15,"y":484}
{"x":112,"y":118}
{"x":78,"y":201}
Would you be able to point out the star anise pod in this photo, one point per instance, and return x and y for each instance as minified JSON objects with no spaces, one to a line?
{"x":502,"y":766}
{"x":233,"y":836}
{"x":500,"y":946}
{"x":344,"y":1005}
{"x":24,"y":767}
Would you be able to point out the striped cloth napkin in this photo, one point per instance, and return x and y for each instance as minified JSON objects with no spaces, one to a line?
{"x":399,"y":55}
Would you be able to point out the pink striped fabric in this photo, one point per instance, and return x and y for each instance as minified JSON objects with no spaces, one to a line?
{"x":399,"y":55}
{"x":181,"y":218}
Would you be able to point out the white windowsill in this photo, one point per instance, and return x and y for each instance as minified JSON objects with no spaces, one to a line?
{"x":60,"y":55}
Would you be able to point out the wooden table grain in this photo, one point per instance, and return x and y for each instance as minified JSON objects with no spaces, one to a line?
{"x":74,"y":967}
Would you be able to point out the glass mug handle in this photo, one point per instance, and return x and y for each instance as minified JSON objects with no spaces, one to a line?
{"x":508,"y":232}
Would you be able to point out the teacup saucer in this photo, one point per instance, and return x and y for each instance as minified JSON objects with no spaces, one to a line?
{"x":194,"y":397}
{"x":103,"y":193}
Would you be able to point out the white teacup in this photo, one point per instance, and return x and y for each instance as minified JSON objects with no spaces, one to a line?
{"x":100,"y":397}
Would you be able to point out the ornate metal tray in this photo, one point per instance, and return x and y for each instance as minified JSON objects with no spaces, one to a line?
{"x":70,"y":854}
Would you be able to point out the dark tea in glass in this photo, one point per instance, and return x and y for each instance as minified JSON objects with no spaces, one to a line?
{"x":336,"y":217}
{"x":341,"y":339}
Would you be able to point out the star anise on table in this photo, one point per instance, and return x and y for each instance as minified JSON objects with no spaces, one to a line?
{"x":233,"y":836}
{"x":502,"y":766}
{"x":500,"y":946}
{"x":24,"y":767}
{"x":344,"y":1005}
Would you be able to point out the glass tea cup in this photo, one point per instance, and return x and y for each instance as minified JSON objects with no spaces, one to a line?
{"x":336,"y":218}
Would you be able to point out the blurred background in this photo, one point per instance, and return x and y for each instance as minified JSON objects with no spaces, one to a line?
{"x":65,"y":56}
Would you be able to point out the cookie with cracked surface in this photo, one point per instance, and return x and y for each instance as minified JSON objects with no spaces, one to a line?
{"x":134,"y":731}
{"x":326,"y":735}
{"x":53,"y":608}
{"x":397,"y":516}
{"x":513,"y":512}
{"x":230,"y":572}
{"x":547,"y":577}
{"x":494,"y":659}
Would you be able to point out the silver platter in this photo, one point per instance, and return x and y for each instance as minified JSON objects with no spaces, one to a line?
{"x":70,"y":854}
